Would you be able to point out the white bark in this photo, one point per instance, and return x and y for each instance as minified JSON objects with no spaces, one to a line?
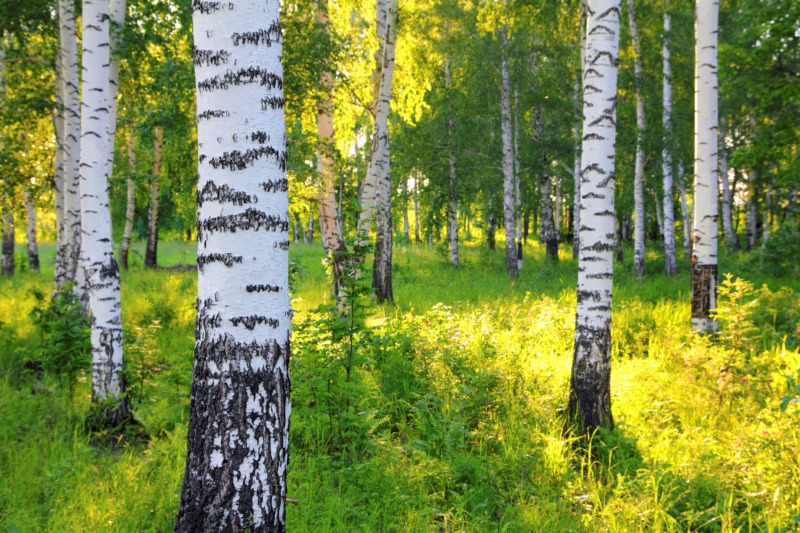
{"x":97,"y":255}
{"x":547,"y":224}
{"x":130,"y":202}
{"x":590,"y":399}
{"x":638,"y":179}
{"x":670,"y":258}
{"x":576,"y":173}
{"x":452,"y":211}
{"x":512,"y":267}
{"x":379,"y":166}
{"x":5,"y":206}
{"x":704,"y":252}
{"x":72,"y":149}
{"x":237,"y":453}
{"x":731,"y":241}
{"x":687,"y":224}
{"x":151,"y":248}
{"x":60,"y":271}
{"x":30,"y":232}
{"x":117,"y":12}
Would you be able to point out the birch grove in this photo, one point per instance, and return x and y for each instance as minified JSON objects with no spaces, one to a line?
{"x":590,"y":394}
{"x":237,"y":452}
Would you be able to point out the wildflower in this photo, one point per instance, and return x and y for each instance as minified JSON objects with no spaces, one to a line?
{"x":744,"y":380}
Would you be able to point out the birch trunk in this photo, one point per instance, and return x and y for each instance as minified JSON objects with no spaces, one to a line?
{"x":406,"y":227}
{"x":310,"y":229}
{"x":416,"y":211}
{"x":382,"y":270}
{"x":704,"y":252}
{"x":767,"y":206}
{"x":8,"y":233}
{"x":590,"y":395}
{"x":130,"y":202}
{"x":512,"y":267}
{"x":547,"y":227}
{"x":72,"y":151}
{"x":731,"y":240}
{"x":329,"y":221}
{"x":117,"y":13}
{"x":670,"y":257}
{"x":517,"y":179}
{"x":97,"y":255}
{"x":452,"y":211}
{"x":751,"y":221}
{"x":151,"y":249}
{"x":638,"y":180}
{"x":576,"y":174}
{"x":30,"y":232}
{"x":60,"y":270}
{"x":687,"y":224}
{"x":237,"y":453}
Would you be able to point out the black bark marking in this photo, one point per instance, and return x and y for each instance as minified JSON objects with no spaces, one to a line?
{"x":209,"y":57}
{"x":252,"y":219}
{"x":206,"y":8}
{"x":259,"y":137}
{"x":275,"y":185}
{"x":224,"y":194}
{"x":237,"y":160}
{"x":704,"y":281}
{"x":212,"y":113}
{"x":262,"y":287}
{"x":590,"y":387}
{"x":599,"y":247}
{"x":226,"y":259}
{"x":593,"y":137}
{"x":243,"y":76}
{"x":272,"y":102}
{"x":250,"y":322}
{"x":266,"y":37}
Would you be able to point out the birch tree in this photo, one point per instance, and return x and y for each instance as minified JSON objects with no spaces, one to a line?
{"x":638,"y":180}
{"x":590,"y":394}
{"x":97,"y":255}
{"x":547,"y":226}
{"x":237,"y":453}
{"x":130,"y":202}
{"x":670,"y":258}
{"x":151,"y":248}
{"x":512,"y":266}
{"x":452,"y":211}
{"x":704,"y":251}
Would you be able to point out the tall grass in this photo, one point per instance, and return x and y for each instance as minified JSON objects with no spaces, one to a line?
{"x":452,"y":417}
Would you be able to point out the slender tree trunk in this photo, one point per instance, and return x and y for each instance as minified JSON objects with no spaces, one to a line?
{"x":751,"y":220}
{"x":638,"y":180}
{"x":517,"y":180}
{"x":452,"y":211}
{"x":97,"y":255}
{"x":117,"y":10}
{"x":237,"y":452}
{"x":731,"y":240}
{"x":704,"y":252}
{"x":512,"y":267}
{"x":298,"y":229}
{"x":72,"y":152}
{"x":8,"y":232}
{"x":130,"y":203}
{"x":406,"y":227}
{"x":151,"y":249}
{"x":382,"y":270}
{"x":547,"y":228}
{"x":590,"y":395}
{"x":687,"y":224}
{"x":659,"y":218}
{"x":767,"y":207}
{"x":310,"y":229}
{"x":329,"y":221}
{"x":60,"y":268}
{"x":30,"y":232}
{"x":416,"y":211}
{"x":576,"y":174}
{"x":491,"y":229}
{"x":670,"y":257}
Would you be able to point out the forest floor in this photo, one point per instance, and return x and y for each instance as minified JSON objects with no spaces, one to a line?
{"x":442,"y":413}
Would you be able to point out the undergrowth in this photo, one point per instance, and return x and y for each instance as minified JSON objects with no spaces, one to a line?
{"x":445,"y":413}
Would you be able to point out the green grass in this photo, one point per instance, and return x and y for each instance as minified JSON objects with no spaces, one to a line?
{"x":453,"y":417}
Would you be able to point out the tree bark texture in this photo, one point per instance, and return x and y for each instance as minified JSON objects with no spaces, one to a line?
{"x":731,"y":241}
{"x":72,"y":150}
{"x":704,"y":249}
{"x":329,"y":222}
{"x":8,"y":233}
{"x":687,"y":224}
{"x":117,"y":10}
{"x":638,"y":179}
{"x":670,"y":257}
{"x":30,"y":232}
{"x":130,"y":202}
{"x":382,"y":270}
{"x":576,"y":174}
{"x":452,"y":211}
{"x":590,"y":394}
{"x":512,"y":268}
{"x":60,"y":271}
{"x":237,"y":452}
{"x":97,"y":254}
{"x":151,"y":249}
{"x":547,"y":226}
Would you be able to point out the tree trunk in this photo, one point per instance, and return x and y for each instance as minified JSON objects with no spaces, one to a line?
{"x":576,"y":174}
{"x":687,"y":225}
{"x":406,"y":226}
{"x":329,"y":222}
{"x":151,"y":250}
{"x":30,"y":232}
{"x":416,"y":211}
{"x":547,"y":227}
{"x":517,"y":180}
{"x":731,"y":241}
{"x":72,"y":153}
{"x":670,"y":257}
{"x":117,"y":13}
{"x":237,"y":451}
{"x":704,"y":251}
{"x":638,"y":180}
{"x":751,"y":220}
{"x":130,"y":203}
{"x":382,"y":270}
{"x":512,"y":267}
{"x":452,"y":211}
{"x":767,"y":207}
{"x":310,"y":229}
{"x":590,"y":395}
{"x":97,"y":254}
{"x":60,"y":268}
{"x":8,"y":232}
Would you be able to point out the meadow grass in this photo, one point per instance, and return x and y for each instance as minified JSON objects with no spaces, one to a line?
{"x":442,"y":413}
